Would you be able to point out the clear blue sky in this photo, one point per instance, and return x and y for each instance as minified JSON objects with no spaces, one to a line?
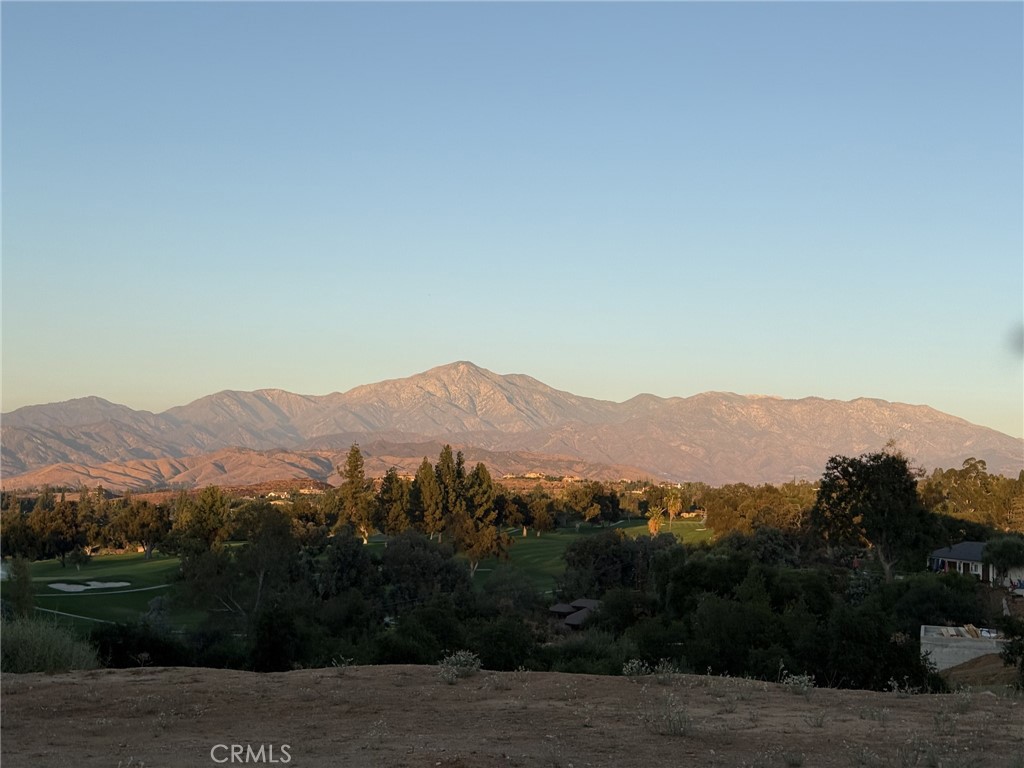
{"x":791,"y":199}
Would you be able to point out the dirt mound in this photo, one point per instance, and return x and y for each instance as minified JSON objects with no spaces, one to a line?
{"x":406,"y":716}
{"x":984,"y":671}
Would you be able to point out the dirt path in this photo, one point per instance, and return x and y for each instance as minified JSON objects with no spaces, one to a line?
{"x":405,"y":716}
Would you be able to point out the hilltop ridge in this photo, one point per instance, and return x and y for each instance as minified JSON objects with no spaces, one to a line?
{"x":715,"y":437}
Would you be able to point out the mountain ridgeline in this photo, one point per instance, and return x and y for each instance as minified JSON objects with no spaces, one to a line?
{"x":514,"y":423}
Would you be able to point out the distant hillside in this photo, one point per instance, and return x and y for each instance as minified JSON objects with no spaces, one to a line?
{"x":245,"y":467}
{"x":518,"y":422}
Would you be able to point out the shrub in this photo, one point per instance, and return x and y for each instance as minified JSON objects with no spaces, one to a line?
{"x":275,"y":642}
{"x":136,"y":645}
{"x":666,"y":718}
{"x":458,"y":664}
{"x":21,"y":593}
{"x":665,"y":671}
{"x":31,"y":645}
{"x":799,"y":684}
{"x":636,"y":668}
{"x":408,"y":643}
{"x":504,"y":643}
{"x":590,"y":652}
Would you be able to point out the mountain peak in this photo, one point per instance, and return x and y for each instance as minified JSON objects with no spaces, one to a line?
{"x":459,"y":368}
{"x":715,"y":437}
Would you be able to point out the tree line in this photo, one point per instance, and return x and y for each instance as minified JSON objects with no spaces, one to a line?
{"x":476,"y":514}
{"x":788,"y":587}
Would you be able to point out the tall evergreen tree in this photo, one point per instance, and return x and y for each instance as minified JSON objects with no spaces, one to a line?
{"x":426,"y":500}
{"x":393,"y":503}
{"x":476,"y":519}
{"x":451,"y":479}
{"x":203,"y":523}
{"x":356,"y":495}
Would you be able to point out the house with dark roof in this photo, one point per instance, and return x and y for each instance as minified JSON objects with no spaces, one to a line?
{"x":968,"y":557}
{"x":575,"y":614}
{"x":965,"y":557}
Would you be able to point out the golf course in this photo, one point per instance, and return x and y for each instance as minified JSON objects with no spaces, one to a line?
{"x":121,"y":588}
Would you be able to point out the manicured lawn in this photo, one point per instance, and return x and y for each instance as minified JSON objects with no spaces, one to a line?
{"x":146,"y":580}
{"x":133,"y":568}
{"x":540,"y":557}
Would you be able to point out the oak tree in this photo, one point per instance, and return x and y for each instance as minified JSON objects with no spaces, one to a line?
{"x":871,"y":501}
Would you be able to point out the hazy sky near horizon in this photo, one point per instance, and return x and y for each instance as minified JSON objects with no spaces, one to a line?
{"x":791,"y":199}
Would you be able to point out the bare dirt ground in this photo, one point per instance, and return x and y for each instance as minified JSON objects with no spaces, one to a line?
{"x":406,"y":716}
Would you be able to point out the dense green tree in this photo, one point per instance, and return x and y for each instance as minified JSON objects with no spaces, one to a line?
{"x":20,"y":590}
{"x":871,"y":501}
{"x":201,"y":523}
{"x":866,"y":650}
{"x":725,"y":630}
{"x":95,"y":513}
{"x":310,"y":520}
{"x":542,"y":514}
{"x":56,"y":527}
{"x":19,"y":538}
{"x":476,"y":520}
{"x":451,"y":480}
{"x":512,"y":509}
{"x":745,"y":508}
{"x":715,"y":571}
{"x":356,"y":495}
{"x":592,"y":502}
{"x":268,"y":559}
{"x":503,"y":643}
{"x":972,"y":494}
{"x":415,"y":570}
{"x":610,"y":559}
{"x":1004,"y":554}
{"x":393,"y":507}
{"x":425,"y":500}
{"x":238,"y":585}
{"x":142,"y":523}
{"x":347,"y":565}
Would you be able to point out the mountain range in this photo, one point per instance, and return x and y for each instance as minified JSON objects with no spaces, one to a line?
{"x":513,"y":423}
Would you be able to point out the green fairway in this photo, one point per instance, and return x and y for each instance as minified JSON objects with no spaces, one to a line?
{"x":540,"y":557}
{"x":142,"y":580}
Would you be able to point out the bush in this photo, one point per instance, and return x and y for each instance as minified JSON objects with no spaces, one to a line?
{"x":408,"y":643}
{"x":798,"y":684}
{"x":622,"y":609}
{"x":21,"y":593}
{"x":458,"y":664}
{"x":509,"y":590}
{"x":655,"y":639}
{"x":276,"y":641}
{"x":1013,"y":650}
{"x":30,"y":645}
{"x":591,"y":652}
{"x":666,"y":717}
{"x":504,"y":643}
{"x":636,"y":668}
{"x":137,"y":645}
{"x":218,"y":648}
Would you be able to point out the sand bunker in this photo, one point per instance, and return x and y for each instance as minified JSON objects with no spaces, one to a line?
{"x":89,"y":585}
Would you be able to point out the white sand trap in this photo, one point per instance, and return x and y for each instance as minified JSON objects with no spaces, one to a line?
{"x":89,"y":585}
